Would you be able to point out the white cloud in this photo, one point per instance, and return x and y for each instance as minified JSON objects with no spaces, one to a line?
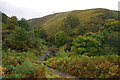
{"x":38,"y":8}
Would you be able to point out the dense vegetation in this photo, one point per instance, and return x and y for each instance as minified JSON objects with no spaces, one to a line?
{"x":88,"y":67}
{"x":21,"y":65}
{"x":102,"y":47}
{"x":87,"y":41}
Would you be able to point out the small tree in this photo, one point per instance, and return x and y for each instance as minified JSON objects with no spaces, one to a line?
{"x":89,"y":44}
{"x":12,"y":23}
{"x":40,"y":33}
{"x":60,"y":38}
{"x":20,"y":39}
{"x":4,"y":19}
{"x":23,"y":23}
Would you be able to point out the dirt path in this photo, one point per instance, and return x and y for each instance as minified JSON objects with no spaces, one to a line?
{"x":60,"y":73}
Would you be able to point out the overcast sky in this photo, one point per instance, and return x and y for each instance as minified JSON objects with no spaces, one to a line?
{"x":38,"y":8}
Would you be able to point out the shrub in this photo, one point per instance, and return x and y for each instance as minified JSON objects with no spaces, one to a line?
{"x":12,"y":23}
{"x":89,"y":43}
{"x":22,"y":65}
{"x":20,"y":39}
{"x":23,"y":23}
{"x":88,"y":67}
{"x":60,"y":38}
{"x":30,"y":70}
{"x":40,"y":33}
{"x":112,"y":24}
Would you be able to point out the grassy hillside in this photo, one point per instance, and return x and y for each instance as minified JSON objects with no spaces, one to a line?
{"x":89,"y":18}
{"x":84,"y":16}
{"x":79,"y":43}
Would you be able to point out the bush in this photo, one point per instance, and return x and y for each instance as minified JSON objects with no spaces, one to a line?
{"x":89,"y":44}
{"x":22,"y":65}
{"x":30,"y":70}
{"x":12,"y":23}
{"x":40,"y":33}
{"x":60,"y":38}
{"x":111,"y":31}
{"x":23,"y":23}
{"x":20,"y":39}
{"x":112,"y":24}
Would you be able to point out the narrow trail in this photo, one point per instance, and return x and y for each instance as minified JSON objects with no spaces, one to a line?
{"x":58,"y":72}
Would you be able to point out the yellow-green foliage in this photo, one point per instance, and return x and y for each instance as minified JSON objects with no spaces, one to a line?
{"x":89,"y":44}
{"x":21,"y":65}
{"x":88,"y":67}
{"x":60,"y":38}
{"x":51,"y":74}
{"x":112,"y":24}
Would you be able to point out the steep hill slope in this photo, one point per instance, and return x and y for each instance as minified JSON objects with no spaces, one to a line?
{"x":92,"y":19}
